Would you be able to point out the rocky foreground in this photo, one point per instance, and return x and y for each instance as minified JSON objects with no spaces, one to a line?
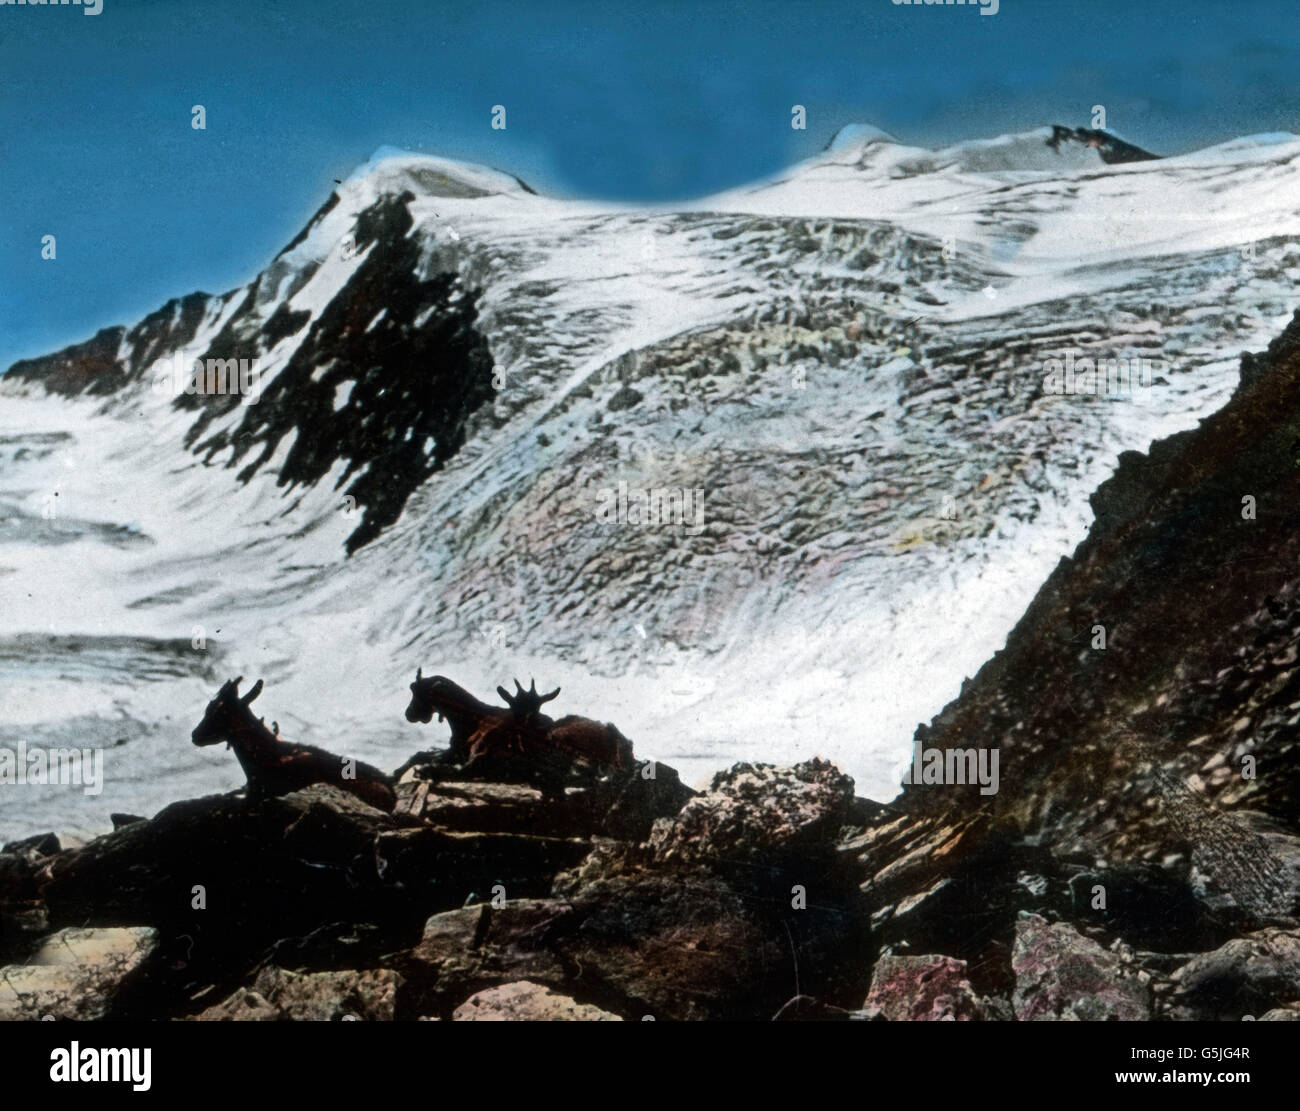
{"x":1140,"y":858}
{"x":770,"y":895}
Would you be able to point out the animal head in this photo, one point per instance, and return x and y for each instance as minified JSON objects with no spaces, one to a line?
{"x":624,"y":757}
{"x":225,"y":712}
{"x":438,"y":694}
{"x":526,"y":704}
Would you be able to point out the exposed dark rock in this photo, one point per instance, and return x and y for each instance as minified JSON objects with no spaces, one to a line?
{"x":95,"y":368}
{"x":625,"y":398}
{"x":1061,"y":974}
{"x":91,"y":366}
{"x":442,"y":868}
{"x":23,"y":917}
{"x":525,"y":1002}
{"x":465,"y":951}
{"x":621,"y":804}
{"x":922,"y":989}
{"x":1161,"y":768}
{"x":120,"y":820}
{"x":680,"y":947}
{"x":1246,"y":976}
{"x":1112,"y":150}
{"x":279,"y":995}
{"x":629,"y":804}
{"x":280,"y":859}
{"x":636,"y":934}
{"x":76,"y":974}
{"x":1147,"y":906}
{"x":410,"y":389}
{"x":43,"y":844}
{"x":759,"y":813}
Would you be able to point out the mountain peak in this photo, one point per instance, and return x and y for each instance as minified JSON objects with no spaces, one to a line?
{"x":855,"y":136}
{"x":1110,"y":147}
{"x":393,"y":169}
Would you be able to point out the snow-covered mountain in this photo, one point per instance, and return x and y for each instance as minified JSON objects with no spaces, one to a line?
{"x":843,"y":367}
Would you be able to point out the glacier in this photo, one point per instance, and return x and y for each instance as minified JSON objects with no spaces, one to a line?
{"x":846,"y":358}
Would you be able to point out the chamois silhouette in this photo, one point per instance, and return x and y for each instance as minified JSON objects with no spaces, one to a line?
{"x":276,"y":767}
{"x":481,"y":732}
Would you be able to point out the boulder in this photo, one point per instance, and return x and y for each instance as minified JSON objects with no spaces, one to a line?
{"x":22,"y":914}
{"x":1062,"y":975}
{"x":120,"y":820}
{"x":268,"y":865}
{"x":441,"y":868}
{"x":1146,"y":905}
{"x":620,"y":804}
{"x":280,"y":995}
{"x":922,"y":989}
{"x":222,"y":878}
{"x":682,"y":947}
{"x":759,"y":812}
{"x":629,"y":803}
{"x":473,"y":806}
{"x":522,"y":1001}
{"x":43,"y":844}
{"x":468,"y":950}
{"x":1246,"y":976}
{"x":76,"y":974}
{"x":674,"y":945}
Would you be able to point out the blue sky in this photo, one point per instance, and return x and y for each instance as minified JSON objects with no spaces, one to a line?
{"x":622,"y":99}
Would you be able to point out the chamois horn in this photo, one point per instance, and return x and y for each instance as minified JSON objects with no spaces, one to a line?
{"x":257,"y":689}
{"x":532,"y":689}
{"x":512,"y":699}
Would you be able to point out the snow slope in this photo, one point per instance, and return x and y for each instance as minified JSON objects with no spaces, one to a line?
{"x":846,"y":360}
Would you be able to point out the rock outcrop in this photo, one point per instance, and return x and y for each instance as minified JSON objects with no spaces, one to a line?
{"x":76,"y":974}
{"x":525,"y":1002}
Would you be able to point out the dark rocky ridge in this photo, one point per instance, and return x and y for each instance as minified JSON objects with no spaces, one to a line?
{"x":1202,"y":629}
{"x":413,"y":386}
{"x":1112,"y":149}
{"x":96,"y":367}
{"x":1122,"y":769}
{"x":610,"y":896}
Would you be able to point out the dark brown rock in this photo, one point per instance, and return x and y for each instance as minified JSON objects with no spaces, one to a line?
{"x":922,"y":989}
{"x":1246,"y":976}
{"x":1060,"y":974}
{"x":759,"y":811}
{"x":478,"y":947}
{"x":278,"y":995}
{"x":522,"y":1001}
{"x":443,"y":868}
{"x":76,"y":974}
